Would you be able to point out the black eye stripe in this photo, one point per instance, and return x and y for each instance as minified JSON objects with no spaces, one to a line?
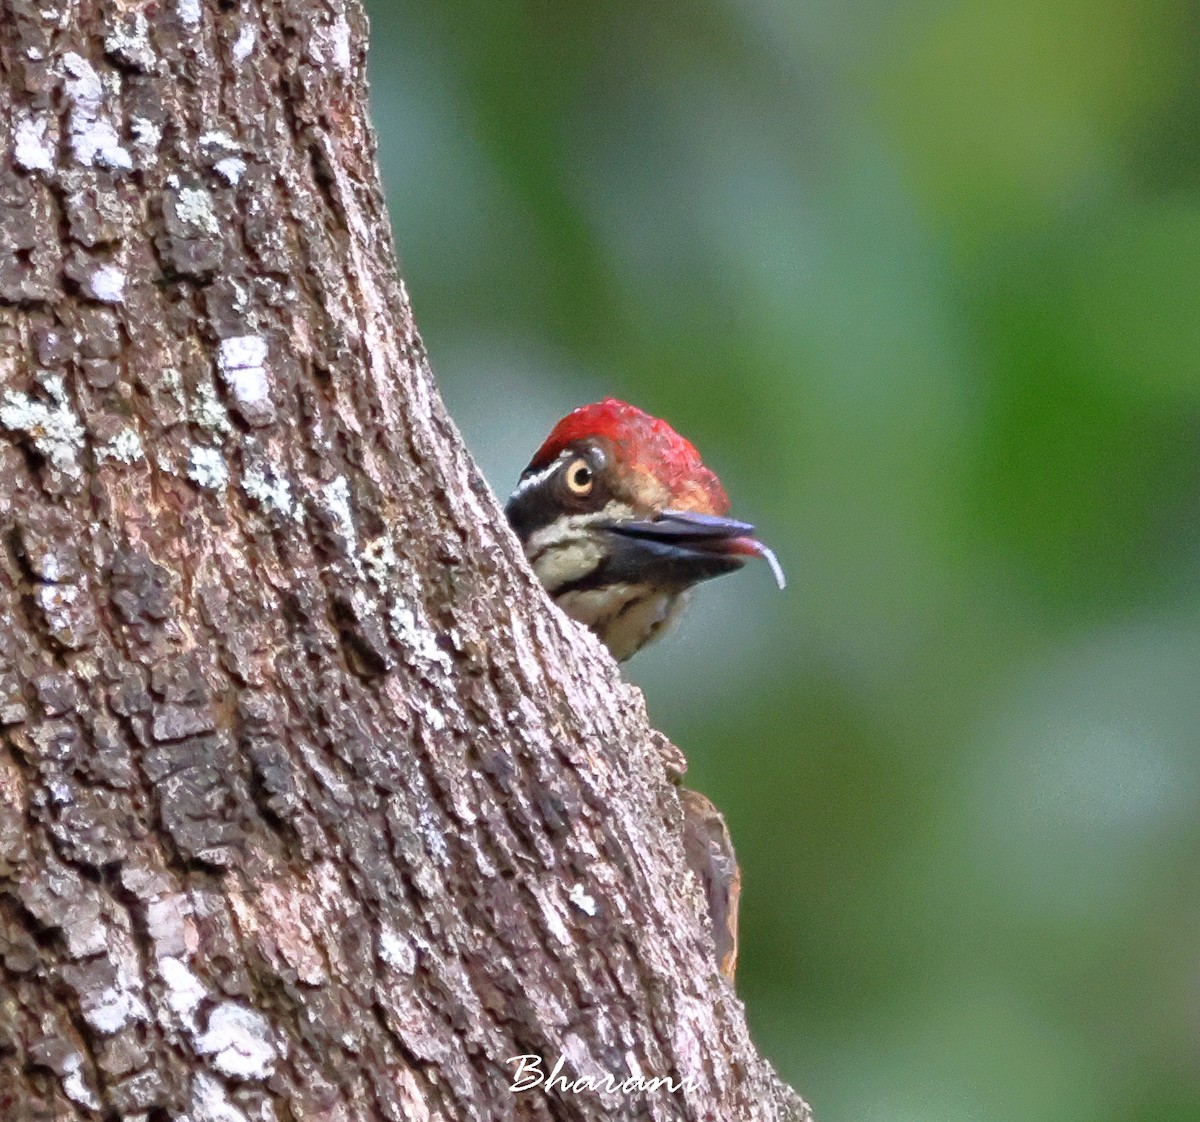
{"x":545,"y":493}
{"x":530,"y":510}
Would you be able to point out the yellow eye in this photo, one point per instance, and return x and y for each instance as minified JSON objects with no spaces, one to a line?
{"x":580,"y":478}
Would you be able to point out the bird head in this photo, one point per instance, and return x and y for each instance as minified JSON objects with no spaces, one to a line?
{"x":619,"y":517}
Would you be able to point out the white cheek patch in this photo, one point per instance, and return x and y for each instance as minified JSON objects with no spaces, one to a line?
{"x":569,"y":549}
{"x":568,"y":561}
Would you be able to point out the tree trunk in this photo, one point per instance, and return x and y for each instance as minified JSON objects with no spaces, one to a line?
{"x":311,"y":806}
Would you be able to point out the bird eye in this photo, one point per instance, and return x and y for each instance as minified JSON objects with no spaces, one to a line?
{"x":580,"y":478}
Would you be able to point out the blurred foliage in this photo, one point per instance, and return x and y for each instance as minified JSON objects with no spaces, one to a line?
{"x":923,"y":283}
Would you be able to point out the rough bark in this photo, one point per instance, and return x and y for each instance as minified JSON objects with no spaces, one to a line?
{"x":311,"y":806}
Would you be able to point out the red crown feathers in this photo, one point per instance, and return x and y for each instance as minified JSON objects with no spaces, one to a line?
{"x":642,"y":443}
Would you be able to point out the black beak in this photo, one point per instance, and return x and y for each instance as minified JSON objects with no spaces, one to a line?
{"x":680,"y":547}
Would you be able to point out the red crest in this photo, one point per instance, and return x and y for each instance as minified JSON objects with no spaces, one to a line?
{"x":642,"y":443}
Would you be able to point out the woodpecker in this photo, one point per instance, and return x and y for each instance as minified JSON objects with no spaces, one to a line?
{"x":619,"y":518}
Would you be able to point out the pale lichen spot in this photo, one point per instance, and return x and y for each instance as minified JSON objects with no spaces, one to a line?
{"x":336,"y":497}
{"x":331,"y":44}
{"x":244,"y":43}
{"x":194,"y":207}
{"x":217,"y":138}
{"x":432,"y":715}
{"x":231,"y":169}
{"x":48,"y":567}
{"x":188,"y":12}
{"x":83,"y":82}
{"x":581,"y":900}
{"x":210,"y":1102}
{"x":126,"y":447}
{"x":379,"y":561}
{"x":75,"y":1086}
{"x":52,"y":427}
{"x":147,"y":136}
{"x":130,"y":44}
{"x":242,"y":363}
{"x":172,"y":383}
{"x":106,"y":284}
{"x":554,"y":921}
{"x":238,"y":1039}
{"x":206,"y":410}
{"x":271,"y":491}
{"x":249,"y":384}
{"x":241,"y":293}
{"x":56,"y":17}
{"x":433,"y":835}
{"x":340,"y":34}
{"x":113,"y":1009}
{"x":396,"y":950}
{"x":184,"y":991}
{"x":415,"y":633}
{"x":31,"y":149}
{"x":93,"y":139}
{"x":207,"y":468}
{"x":168,"y":923}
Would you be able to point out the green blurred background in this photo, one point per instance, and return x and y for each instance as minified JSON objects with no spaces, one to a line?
{"x":922,"y":281}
